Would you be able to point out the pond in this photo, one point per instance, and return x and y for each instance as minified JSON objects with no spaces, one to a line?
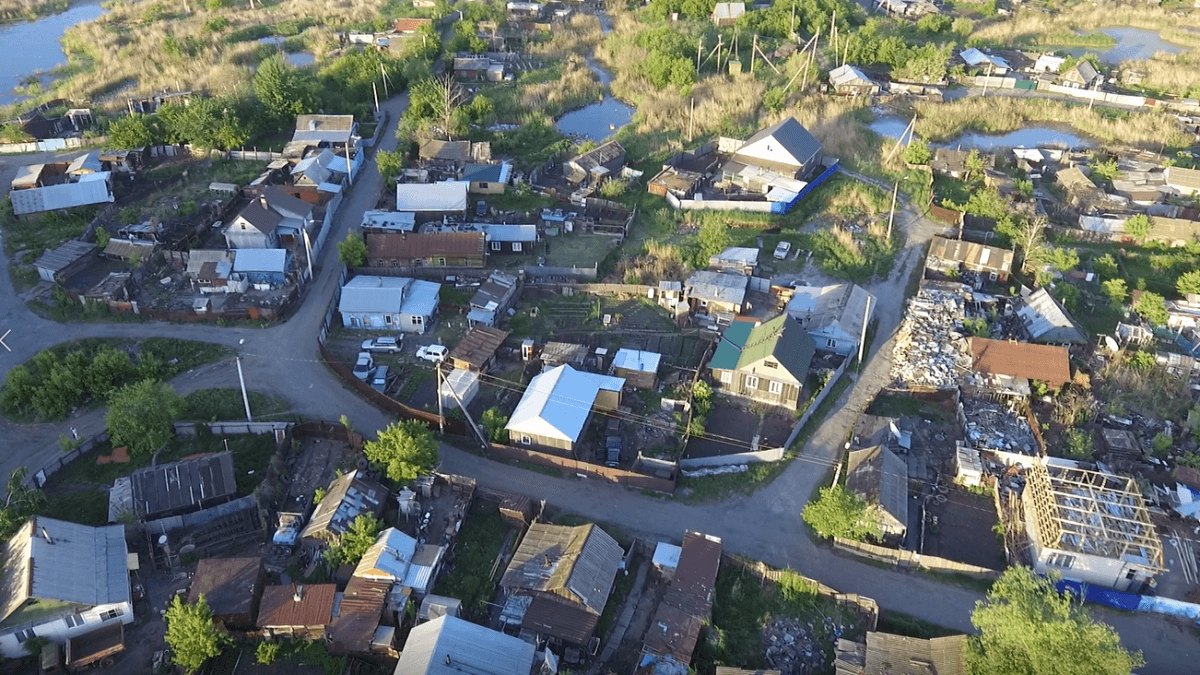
{"x":33,"y":46}
{"x":597,"y":121}
{"x":294,"y":58}
{"x":1132,"y":43}
{"x":890,"y":126}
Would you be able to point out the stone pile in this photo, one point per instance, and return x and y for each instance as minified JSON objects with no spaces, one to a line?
{"x":991,"y":426}
{"x":797,"y":646}
{"x":929,"y":350}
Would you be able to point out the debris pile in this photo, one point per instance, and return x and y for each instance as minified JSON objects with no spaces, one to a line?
{"x":991,"y":426}
{"x":928,"y":351}
{"x":797,"y":647}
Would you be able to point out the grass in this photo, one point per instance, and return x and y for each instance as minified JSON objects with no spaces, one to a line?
{"x":1031,"y":25}
{"x":86,"y":507}
{"x":24,"y":10}
{"x":475,"y":552}
{"x":899,"y":623}
{"x":186,"y":191}
{"x":963,"y":580}
{"x":895,"y":405}
{"x":38,"y":232}
{"x":212,"y":405}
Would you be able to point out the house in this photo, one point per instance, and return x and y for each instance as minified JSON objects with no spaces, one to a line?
{"x":834,"y":316}
{"x":150,"y":104}
{"x":445,"y":152}
{"x":1048,"y":63}
{"x":476,"y":351}
{"x":735,"y":260}
{"x":325,"y":131}
{"x":49,"y":187}
{"x":232,"y":587}
{"x":1185,"y":182}
{"x":210,"y":270}
{"x":1009,"y":366}
{"x":767,"y":362}
{"x":256,"y":226}
{"x":471,"y":67}
{"x":596,"y":164}
{"x":174,"y":488}
{"x":716,"y":292}
{"x":493,"y":299}
{"x":686,"y":607}
{"x":487,"y":179}
{"x":1081,"y":191}
{"x":1184,"y":314}
{"x":994,"y":65}
{"x":323,"y":170}
{"x":62,"y":263}
{"x":448,"y":645}
{"x":850,"y":81}
{"x":389,"y":303}
{"x":877,"y":476}
{"x":1045,"y":321}
{"x":361,"y":614}
{"x":60,"y":580}
{"x":726,"y":14}
{"x":433,"y":249}
{"x":556,"y":407}
{"x":1080,"y":76}
{"x":559,"y":353}
{"x":388,"y":221}
{"x":129,"y":249}
{"x":410,"y":26}
{"x":264,"y":268}
{"x":1090,"y":526}
{"x":887,"y":654}
{"x":669,"y":295}
{"x":775,"y":161}
{"x":954,"y":162}
{"x":349,"y":496}
{"x":432,"y":200}
{"x":951,"y":257}
{"x":400,"y":559}
{"x":300,"y":611}
{"x":568,"y":573}
{"x":514,"y":238}
{"x":638,"y":368}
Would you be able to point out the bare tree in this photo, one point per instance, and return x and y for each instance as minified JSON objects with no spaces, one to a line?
{"x":450,"y":98}
{"x":1031,"y":237}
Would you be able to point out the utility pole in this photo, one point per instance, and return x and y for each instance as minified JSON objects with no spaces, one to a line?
{"x":753,"y":48}
{"x":892,"y":215}
{"x":1096,"y":88}
{"x":441,"y":417}
{"x":862,"y":340}
{"x":987,"y":81}
{"x":375,"y":92}
{"x":699,"y":48}
{"x":385,"y":81}
{"x":245,"y":398}
{"x":792,"y":30}
{"x":478,"y":432}
{"x":691,"y":119}
{"x":308,"y":252}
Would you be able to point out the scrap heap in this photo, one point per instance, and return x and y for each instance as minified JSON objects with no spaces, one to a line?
{"x":991,"y":426}
{"x":929,"y":352}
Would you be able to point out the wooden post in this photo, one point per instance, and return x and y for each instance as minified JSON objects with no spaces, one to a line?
{"x":862,"y":340}
{"x":753,"y":48}
{"x":892,"y":215}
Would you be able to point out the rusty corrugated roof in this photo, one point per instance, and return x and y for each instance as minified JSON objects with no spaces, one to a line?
{"x":1048,"y":363}
{"x":279,"y":607}
{"x":407,"y":246}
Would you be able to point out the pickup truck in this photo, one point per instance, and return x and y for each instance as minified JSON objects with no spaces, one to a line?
{"x":97,"y":648}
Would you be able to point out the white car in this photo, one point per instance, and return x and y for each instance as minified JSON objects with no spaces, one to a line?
{"x":364,"y":366}
{"x":433,"y":353}
{"x":782,"y":250}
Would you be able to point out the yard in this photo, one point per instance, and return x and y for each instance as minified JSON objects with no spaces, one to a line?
{"x":214,"y":405}
{"x":474,"y":571}
{"x":177,"y":187}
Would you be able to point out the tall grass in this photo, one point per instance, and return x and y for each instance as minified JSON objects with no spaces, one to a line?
{"x":1032,"y":26}
{"x":20,"y":10}
{"x":1177,"y":74}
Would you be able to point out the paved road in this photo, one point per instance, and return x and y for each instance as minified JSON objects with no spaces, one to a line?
{"x":284,"y":360}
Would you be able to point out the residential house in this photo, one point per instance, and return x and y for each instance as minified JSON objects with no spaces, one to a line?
{"x":779,"y":157}
{"x":954,"y":162}
{"x":232,"y":587}
{"x":410,"y":25}
{"x":1049,"y":63}
{"x":476,"y":351}
{"x":52,"y":187}
{"x":448,"y":645}
{"x":62,"y":263}
{"x":264,"y":268}
{"x":129,"y":249}
{"x":323,"y":170}
{"x":510,"y":238}
{"x":850,"y":81}
{"x":389,"y":303}
{"x":211,"y":271}
{"x":1184,"y":314}
{"x":715,"y":292}
{"x":567,"y":573}
{"x":596,"y":164}
{"x":471,"y":67}
{"x":685,"y":608}
{"x":557,"y":405}
{"x":301,"y":611}
{"x":726,"y":14}
{"x":1184,"y":182}
{"x":951,"y":257}
{"x":410,"y":566}
{"x":361,"y":616}
{"x":1046,"y":321}
{"x":60,"y":580}
{"x":349,"y":496}
{"x":1090,"y":526}
{"x":877,"y":476}
{"x":637,"y":367}
{"x":834,"y":316}
{"x":255,"y":226}
{"x":1081,"y":191}
{"x":174,"y":488}
{"x":735,"y":260}
{"x":445,"y":152}
{"x":487,"y":179}
{"x":325,"y":131}
{"x":434,"y":249}
{"x":1082,"y":75}
{"x":1007,"y":367}
{"x":887,"y":654}
{"x":432,"y":201}
{"x":493,"y":299}
{"x":766,"y":362}
{"x":991,"y":65}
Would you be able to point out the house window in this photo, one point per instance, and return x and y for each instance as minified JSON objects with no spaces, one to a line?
{"x":704,"y":303}
{"x":770,"y":364}
{"x":483,"y":186}
{"x":516,"y":246}
{"x":726,"y":377}
{"x":23,"y":635}
{"x":831,"y":343}
{"x":751,"y":382}
{"x":417,"y":320}
{"x":1061,"y":560}
{"x":775,"y":388}
{"x":495,"y":246}
{"x":111,"y":614}
{"x":387,"y":318}
{"x":525,"y":440}
{"x":441,"y":262}
{"x":74,"y":620}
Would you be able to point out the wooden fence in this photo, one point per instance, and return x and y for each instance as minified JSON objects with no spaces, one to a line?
{"x":909,"y":560}
{"x":620,"y":476}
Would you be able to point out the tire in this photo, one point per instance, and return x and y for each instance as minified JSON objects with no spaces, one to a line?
{"x":107,"y":662}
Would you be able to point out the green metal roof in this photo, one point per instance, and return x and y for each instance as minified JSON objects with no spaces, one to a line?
{"x":782,"y":337}
{"x":730,"y":346}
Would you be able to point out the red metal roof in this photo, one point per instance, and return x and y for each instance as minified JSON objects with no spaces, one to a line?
{"x":279,"y":607}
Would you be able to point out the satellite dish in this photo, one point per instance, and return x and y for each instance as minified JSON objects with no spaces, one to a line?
{"x":162,"y":540}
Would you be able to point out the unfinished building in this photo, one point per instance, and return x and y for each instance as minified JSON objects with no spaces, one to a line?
{"x":1089,"y":525}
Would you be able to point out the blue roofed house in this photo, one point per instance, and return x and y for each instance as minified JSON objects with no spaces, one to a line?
{"x":766,"y":362}
{"x":556,"y":407}
{"x":449,"y":645}
{"x":264,"y":268}
{"x":61,"y":580}
{"x":389,"y":303}
{"x":487,"y":179}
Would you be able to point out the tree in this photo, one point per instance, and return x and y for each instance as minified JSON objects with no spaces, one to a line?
{"x":450,"y":97}
{"x":494,"y":422}
{"x":1188,"y":283}
{"x":191,"y":633}
{"x":1028,"y":628}
{"x":353,"y":250}
{"x":390,"y":164}
{"x":354,"y":542}
{"x":838,"y":513}
{"x":1030,"y":237}
{"x":17,"y":393}
{"x":108,"y":369}
{"x":134,"y":131}
{"x":284,"y":90}
{"x":713,"y":238}
{"x":141,"y":415}
{"x":1106,"y":265}
{"x":1152,"y":307}
{"x":1115,"y":290}
{"x":917,"y":152}
{"x":973,"y":164}
{"x":406,"y":450}
{"x":1138,"y":226}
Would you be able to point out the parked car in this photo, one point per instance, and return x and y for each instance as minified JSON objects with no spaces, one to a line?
{"x":364,"y":366}
{"x":481,"y":208}
{"x":433,"y":353}
{"x":782,"y":250}
{"x":612,"y":447}
{"x":391,"y":345}
{"x":382,"y":379}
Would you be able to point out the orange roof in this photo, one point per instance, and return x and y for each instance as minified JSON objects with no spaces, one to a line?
{"x":1047,"y":363}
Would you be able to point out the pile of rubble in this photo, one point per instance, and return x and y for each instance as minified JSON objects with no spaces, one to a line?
{"x":797,"y":647}
{"x":991,"y":426}
{"x":929,"y":350}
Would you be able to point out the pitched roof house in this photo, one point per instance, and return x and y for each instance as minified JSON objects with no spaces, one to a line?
{"x":596,"y":164}
{"x":785,"y":148}
{"x":685,"y":607}
{"x":399,"y":558}
{"x":767,"y":362}
{"x":1045,"y":320}
{"x":297,"y":610}
{"x":389,"y":303}
{"x":49,"y":187}
{"x":448,"y":645}
{"x":833,"y":315}
{"x":232,"y":587}
{"x":887,"y":654}
{"x":638,"y":368}
{"x":556,"y":407}
{"x":348,"y":497}
{"x":360,"y":615}
{"x":879,"y":477}
{"x":955,"y":254}
{"x":61,"y":263}
{"x":435,"y":249}
{"x":325,"y":130}
{"x":716,"y":291}
{"x":851,"y":81}
{"x":1080,"y":76}
{"x":569,"y":573}
{"x":1048,"y":363}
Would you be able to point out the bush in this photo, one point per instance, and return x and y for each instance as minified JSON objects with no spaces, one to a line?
{"x":494,"y":422}
{"x":266,"y":653}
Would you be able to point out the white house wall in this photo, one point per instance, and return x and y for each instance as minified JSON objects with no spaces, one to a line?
{"x":56,"y":630}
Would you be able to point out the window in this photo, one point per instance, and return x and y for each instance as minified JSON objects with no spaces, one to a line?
{"x":726,"y":377}
{"x":387,"y":318}
{"x":111,"y":614}
{"x":495,"y":246}
{"x":831,"y":343}
{"x":992,"y":276}
{"x":441,"y":262}
{"x":775,"y":388}
{"x":704,"y":303}
{"x":751,"y":382}
{"x":416,"y":320}
{"x":483,"y":186}
{"x":1061,"y":560}
{"x":23,"y":635}
{"x":516,"y":246}
{"x":74,"y":620}
{"x":525,"y":440}
{"x":770,"y":364}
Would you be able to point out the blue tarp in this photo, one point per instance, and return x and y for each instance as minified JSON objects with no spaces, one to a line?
{"x":780,"y":208}
{"x":1099,"y":595}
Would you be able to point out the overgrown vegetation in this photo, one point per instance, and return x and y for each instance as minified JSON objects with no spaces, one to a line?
{"x":214,"y":405}
{"x":471,"y":579}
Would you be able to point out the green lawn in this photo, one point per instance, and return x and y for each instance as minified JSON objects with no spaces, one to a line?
{"x":475,"y":552}
{"x":213,"y":405}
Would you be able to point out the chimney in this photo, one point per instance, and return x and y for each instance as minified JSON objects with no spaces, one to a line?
{"x":312,"y":125}
{"x":447,"y":659}
{"x":262,"y":200}
{"x":297,"y":592}
{"x":46,"y":534}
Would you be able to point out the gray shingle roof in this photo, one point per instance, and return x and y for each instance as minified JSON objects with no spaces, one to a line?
{"x":451,"y":646}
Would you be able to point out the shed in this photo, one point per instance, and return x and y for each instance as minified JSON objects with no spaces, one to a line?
{"x":970,"y":466}
{"x":87,"y":189}
{"x":232,"y":587}
{"x":459,"y":385}
{"x":735,"y":260}
{"x":1048,"y":363}
{"x":639,"y":368}
{"x":596,"y":164}
{"x":126,"y":249}
{"x":263,"y":267}
{"x":434,"y":606}
{"x":477,"y":350}
{"x":726,"y":14}
{"x":297,"y":610}
{"x":1046,"y":322}
{"x":325,"y":130}
{"x":849,"y":80}
{"x":60,"y":264}
{"x":360,"y":614}
{"x":666,"y":559}
{"x":174,"y":488}
{"x":878,"y":476}
{"x":348,"y":497}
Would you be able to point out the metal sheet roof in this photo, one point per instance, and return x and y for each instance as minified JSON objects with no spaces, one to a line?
{"x":782,"y":337}
{"x":487,"y":173}
{"x":878,"y":476}
{"x":636,"y":359}
{"x":1046,"y":320}
{"x":324,"y":128}
{"x":260,"y":260}
{"x":451,"y":646}
{"x":786,"y":142}
{"x":92,"y":188}
{"x":1048,"y":363}
{"x":279,"y":607}
{"x":421,"y":298}
{"x":348,"y":497}
{"x":506,"y":232}
{"x":705,"y":285}
{"x":556,"y":404}
{"x":373,"y":294}
{"x":575,"y":564}
{"x":183,"y":484}
{"x":847,"y":74}
{"x":841,"y":306}
{"x":449,"y":196}
{"x":389,"y":557}
{"x":61,"y":257}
